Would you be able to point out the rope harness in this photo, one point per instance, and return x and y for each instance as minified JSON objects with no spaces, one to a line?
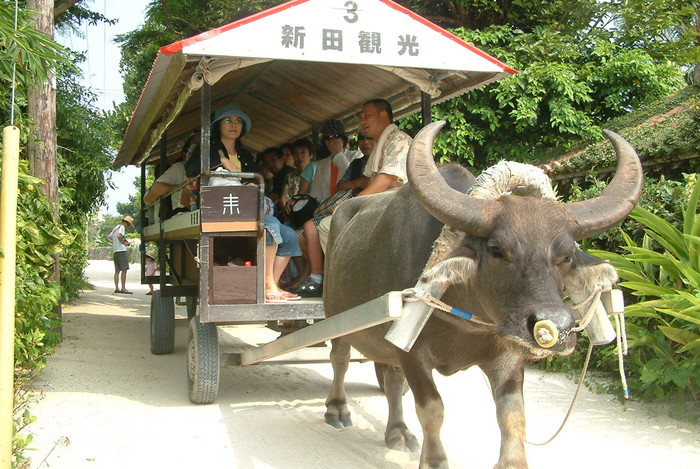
{"x":545,"y":334}
{"x":412,"y":294}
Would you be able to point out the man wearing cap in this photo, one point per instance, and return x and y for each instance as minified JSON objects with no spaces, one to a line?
{"x":121,"y":258}
{"x":324,"y":176}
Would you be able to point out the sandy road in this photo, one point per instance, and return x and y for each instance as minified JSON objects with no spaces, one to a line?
{"x":108,"y":403}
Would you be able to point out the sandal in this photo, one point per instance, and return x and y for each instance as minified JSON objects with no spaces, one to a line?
{"x":275,"y":298}
{"x":288,"y":296}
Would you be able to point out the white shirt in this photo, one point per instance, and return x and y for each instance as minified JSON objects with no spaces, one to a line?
{"x":389,"y":155}
{"x":174,"y":175}
{"x":321,"y":185}
{"x":116,"y":244}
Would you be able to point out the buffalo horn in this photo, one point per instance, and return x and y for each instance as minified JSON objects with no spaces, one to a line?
{"x":448,"y":205}
{"x":596,"y":215}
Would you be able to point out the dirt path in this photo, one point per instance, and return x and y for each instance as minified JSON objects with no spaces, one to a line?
{"x":108,"y":403}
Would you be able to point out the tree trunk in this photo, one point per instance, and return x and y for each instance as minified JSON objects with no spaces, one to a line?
{"x":42,"y":109}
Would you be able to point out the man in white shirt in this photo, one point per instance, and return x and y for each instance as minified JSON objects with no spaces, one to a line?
{"x":171,"y":178}
{"x":121,"y":258}
{"x":386,"y":167}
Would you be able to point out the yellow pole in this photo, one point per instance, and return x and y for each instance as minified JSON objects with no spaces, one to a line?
{"x":8,"y":228}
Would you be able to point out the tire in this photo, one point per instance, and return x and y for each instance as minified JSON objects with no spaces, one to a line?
{"x":162,"y":324}
{"x":203,"y":362}
{"x":379,"y":371}
{"x":191,"y":306}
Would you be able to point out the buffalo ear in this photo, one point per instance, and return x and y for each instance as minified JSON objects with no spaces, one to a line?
{"x":451,"y":271}
{"x":583,"y":259}
{"x":463,"y":251}
{"x":588,"y":273}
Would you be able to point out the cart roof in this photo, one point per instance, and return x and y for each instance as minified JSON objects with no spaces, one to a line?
{"x":294,"y":66}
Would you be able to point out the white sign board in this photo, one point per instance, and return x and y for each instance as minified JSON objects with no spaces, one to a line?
{"x":375,"y":32}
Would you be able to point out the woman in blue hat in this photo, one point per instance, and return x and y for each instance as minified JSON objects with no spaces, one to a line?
{"x":226,"y":150}
{"x":281,"y":242}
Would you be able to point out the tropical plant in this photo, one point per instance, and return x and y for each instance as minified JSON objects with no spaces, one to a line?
{"x":663,"y":272}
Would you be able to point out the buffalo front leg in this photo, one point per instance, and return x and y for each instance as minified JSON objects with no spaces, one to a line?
{"x":507,"y":389}
{"x":397,"y":435}
{"x":430,"y":411}
{"x":337,"y":413}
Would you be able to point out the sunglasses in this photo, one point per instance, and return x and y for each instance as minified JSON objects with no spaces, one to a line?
{"x":234,"y":120}
{"x":330,"y":137}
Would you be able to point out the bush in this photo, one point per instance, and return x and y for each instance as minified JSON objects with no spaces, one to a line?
{"x":663,"y":271}
{"x":39,"y":239}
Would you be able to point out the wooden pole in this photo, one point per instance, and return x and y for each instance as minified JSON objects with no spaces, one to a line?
{"x":8,"y":228}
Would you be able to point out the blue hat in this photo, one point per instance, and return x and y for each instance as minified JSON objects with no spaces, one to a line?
{"x":231,"y":110}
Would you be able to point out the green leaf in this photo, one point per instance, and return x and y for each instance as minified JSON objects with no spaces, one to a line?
{"x":677,"y":335}
{"x":672,"y":238}
{"x":646,"y":289}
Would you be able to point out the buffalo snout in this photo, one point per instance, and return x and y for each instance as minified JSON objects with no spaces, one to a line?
{"x":544,"y":327}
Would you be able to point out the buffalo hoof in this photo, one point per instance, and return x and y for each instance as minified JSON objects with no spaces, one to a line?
{"x":401,"y":438}
{"x":435,"y":465}
{"x":338,"y":418}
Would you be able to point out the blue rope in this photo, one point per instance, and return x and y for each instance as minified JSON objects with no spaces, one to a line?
{"x":461,"y":314}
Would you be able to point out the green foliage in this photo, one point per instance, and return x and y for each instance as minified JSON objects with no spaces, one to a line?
{"x":38,"y":240}
{"x":566,"y":89}
{"x":35,"y":55}
{"x":659,"y":196}
{"x":662,"y":132}
{"x":22,"y":418}
{"x":663,"y":272}
{"x":84,"y":152}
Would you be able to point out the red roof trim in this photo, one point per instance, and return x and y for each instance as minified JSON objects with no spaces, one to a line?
{"x":179,"y":45}
{"x":448,"y":35}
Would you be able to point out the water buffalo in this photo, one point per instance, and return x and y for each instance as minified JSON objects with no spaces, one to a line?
{"x":510,"y":269}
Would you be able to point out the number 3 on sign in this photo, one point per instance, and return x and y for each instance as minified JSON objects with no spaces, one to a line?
{"x":351,"y":17}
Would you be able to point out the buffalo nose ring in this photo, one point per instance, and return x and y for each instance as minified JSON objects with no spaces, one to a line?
{"x":546,"y":334}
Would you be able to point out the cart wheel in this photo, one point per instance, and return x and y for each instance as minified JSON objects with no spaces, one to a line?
{"x":191,"y":306}
{"x":203,"y":362}
{"x":379,"y":371}
{"x":162,"y":324}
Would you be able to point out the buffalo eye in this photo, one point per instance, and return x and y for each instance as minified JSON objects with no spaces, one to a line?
{"x":496,"y":252}
{"x":565,"y":260}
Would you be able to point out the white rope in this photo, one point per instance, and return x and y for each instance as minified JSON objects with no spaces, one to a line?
{"x":583,"y":322}
{"x":412,"y":294}
{"x":622,"y":351}
{"x":573,"y":400}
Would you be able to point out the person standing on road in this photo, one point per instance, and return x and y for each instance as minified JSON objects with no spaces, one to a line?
{"x":121,"y":259}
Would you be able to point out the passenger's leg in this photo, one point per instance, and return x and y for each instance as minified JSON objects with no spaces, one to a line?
{"x":288,"y":248}
{"x":300,"y":262}
{"x":323,"y":229}
{"x":314,"y":253}
{"x":270,"y":283}
{"x":279,"y":265}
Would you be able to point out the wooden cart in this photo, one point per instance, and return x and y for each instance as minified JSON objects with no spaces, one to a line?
{"x":289,"y":68}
